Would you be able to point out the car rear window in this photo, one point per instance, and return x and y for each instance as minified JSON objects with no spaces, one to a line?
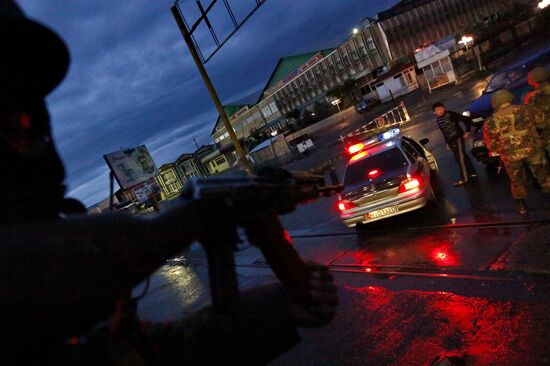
{"x":384,"y":161}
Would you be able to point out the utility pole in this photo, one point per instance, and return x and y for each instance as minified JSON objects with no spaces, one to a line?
{"x":202,"y":70}
{"x":195,"y":141}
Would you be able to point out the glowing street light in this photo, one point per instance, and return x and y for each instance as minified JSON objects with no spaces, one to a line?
{"x":543,"y":4}
{"x":355,"y":30}
{"x":466,"y":41}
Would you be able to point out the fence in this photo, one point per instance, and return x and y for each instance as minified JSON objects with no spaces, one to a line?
{"x":392,"y":118}
{"x":399,"y":93}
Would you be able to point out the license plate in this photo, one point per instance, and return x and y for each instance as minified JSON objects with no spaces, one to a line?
{"x":383,"y":212}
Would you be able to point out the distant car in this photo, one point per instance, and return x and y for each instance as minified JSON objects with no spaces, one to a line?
{"x":385,"y":179}
{"x":366,"y":105}
{"x":512,"y":78}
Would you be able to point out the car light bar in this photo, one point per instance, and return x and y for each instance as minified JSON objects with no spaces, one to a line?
{"x":389,"y":134}
{"x":353,"y":149}
{"x":359,"y":156}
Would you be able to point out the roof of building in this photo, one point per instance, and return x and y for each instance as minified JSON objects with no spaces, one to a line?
{"x":204,"y":149}
{"x":166,"y":166}
{"x":184,"y":157}
{"x":396,"y":69}
{"x":401,"y":7}
{"x":229,"y":109}
{"x":288,"y":64}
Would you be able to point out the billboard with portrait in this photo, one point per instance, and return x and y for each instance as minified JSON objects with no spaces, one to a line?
{"x":131,"y":166}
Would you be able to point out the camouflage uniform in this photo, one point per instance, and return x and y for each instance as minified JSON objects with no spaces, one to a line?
{"x":511,"y":132}
{"x":540,"y":99}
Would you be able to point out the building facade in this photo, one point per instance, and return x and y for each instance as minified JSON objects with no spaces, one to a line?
{"x":216,"y":162}
{"x":245,"y":120}
{"x":169,"y":181}
{"x":189,"y":166}
{"x":413,"y":24}
{"x":356,"y":58}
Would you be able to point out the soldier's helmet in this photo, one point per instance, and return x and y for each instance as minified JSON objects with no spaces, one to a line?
{"x":538,"y":75}
{"x":34,"y":58}
{"x":501,"y":97}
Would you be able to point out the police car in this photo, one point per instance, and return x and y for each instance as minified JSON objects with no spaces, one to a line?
{"x":387,"y":175}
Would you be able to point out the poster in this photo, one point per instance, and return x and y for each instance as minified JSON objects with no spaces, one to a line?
{"x":131,"y":166}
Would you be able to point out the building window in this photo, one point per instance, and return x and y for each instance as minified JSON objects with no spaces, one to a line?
{"x":273,"y":107}
{"x":368,"y":88}
{"x":371,"y":46}
{"x":220,"y":160}
{"x":408,"y":77}
{"x":266,"y":111}
{"x":446,"y":64}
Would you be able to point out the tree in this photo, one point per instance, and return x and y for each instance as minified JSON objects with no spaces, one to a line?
{"x":346,"y":92}
{"x":321,"y":109}
{"x":293,"y":114}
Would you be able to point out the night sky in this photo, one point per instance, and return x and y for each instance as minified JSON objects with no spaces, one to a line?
{"x":132,"y":80}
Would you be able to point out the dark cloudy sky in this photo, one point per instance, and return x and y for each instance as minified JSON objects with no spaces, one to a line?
{"x":132,"y":80}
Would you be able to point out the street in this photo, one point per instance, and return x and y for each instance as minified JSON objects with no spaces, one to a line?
{"x":466,"y":275}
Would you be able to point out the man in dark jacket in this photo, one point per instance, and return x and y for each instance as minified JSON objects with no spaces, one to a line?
{"x":449,"y":124}
{"x":59,"y":273}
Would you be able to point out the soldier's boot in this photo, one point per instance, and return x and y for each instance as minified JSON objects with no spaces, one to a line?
{"x":520,"y":205}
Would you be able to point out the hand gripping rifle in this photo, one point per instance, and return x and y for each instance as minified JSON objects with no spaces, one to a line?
{"x":253,"y":204}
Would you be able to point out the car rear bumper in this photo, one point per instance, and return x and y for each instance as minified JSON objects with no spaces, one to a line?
{"x":404,"y":204}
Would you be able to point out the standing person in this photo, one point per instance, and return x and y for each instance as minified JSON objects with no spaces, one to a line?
{"x":449,"y":124}
{"x":61,"y":274}
{"x":511,"y":131}
{"x":539,"y":99}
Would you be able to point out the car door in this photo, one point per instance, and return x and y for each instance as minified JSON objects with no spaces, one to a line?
{"x":427,"y":154}
{"x":419,"y":156}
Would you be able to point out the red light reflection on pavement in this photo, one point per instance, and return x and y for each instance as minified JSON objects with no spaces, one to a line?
{"x":411,"y":327}
{"x":364,"y":258}
{"x":444,"y":256}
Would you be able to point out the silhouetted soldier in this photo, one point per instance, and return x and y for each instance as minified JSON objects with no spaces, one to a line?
{"x":58,"y":269}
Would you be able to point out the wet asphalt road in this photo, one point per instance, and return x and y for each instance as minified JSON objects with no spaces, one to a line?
{"x":466,"y":275}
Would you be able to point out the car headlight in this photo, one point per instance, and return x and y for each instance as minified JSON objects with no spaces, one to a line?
{"x":466,"y":114}
{"x":479,"y":143}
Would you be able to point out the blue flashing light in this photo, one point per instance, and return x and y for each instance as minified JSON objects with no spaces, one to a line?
{"x":388,"y":135}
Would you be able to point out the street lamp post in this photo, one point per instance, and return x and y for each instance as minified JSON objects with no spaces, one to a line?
{"x":336,"y":102}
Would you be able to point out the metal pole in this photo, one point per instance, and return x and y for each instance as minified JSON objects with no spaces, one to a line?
{"x":111,"y":189}
{"x":189,"y":42}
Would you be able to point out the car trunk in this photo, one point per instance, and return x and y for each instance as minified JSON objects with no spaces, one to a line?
{"x":385,"y":186}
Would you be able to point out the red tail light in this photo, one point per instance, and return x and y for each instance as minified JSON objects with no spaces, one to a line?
{"x":345,"y":205}
{"x":409,"y":184}
{"x":353,"y":149}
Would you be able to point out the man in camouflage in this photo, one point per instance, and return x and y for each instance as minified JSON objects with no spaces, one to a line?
{"x":511,"y":131}
{"x":539,"y":99}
